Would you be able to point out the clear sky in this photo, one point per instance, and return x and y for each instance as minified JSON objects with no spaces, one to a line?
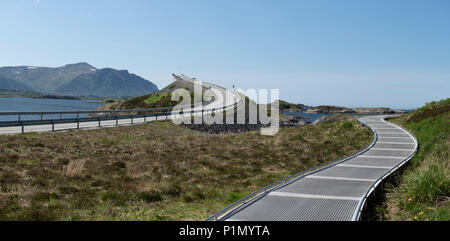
{"x":349,"y":53}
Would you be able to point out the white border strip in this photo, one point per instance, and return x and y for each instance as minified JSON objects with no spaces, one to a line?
{"x":363,"y":166}
{"x":396,"y":143}
{"x":383,"y":157}
{"x":341,"y":178}
{"x":391,"y":149}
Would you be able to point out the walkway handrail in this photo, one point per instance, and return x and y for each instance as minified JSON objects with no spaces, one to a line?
{"x":374,"y":185}
{"x":230,"y":209}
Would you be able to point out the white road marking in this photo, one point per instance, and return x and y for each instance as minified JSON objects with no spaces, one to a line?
{"x":382,"y":128}
{"x":300,"y":195}
{"x":396,"y":143}
{"x":385,"y":157}
{"x":341,"y":178}
{"x":393,"y":137}
{"x":390,"y":149}
{"x":397,"y":133}
{"x":363,"y":166}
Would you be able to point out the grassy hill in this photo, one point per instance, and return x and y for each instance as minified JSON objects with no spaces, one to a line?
{"x":159,"y":99}
{"x":423,"y":192}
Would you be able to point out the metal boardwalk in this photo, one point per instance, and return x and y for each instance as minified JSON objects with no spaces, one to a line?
{"x":335,"y":192}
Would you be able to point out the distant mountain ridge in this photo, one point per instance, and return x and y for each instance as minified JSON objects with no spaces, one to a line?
{"x":79,"y":79}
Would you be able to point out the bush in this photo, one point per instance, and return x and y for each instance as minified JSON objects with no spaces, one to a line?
{"x":347,"y":124}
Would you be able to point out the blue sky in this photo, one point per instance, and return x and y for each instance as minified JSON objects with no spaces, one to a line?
{"x":349,"y":53}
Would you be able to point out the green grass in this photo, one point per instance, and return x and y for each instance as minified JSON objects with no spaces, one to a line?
{"x":424,"y":189}
{"x":156,"y":171}
{"x":155,"y":98}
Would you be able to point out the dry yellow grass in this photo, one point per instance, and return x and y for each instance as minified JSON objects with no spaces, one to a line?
{"x":157,"y":171}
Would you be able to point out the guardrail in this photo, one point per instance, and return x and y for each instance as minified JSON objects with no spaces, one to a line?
{"x":253,"y":197}
{"x":107,"y":115}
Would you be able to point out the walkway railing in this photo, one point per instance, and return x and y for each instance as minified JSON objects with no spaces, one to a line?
{"x":374,"y":185}
{"x":253,"y":197}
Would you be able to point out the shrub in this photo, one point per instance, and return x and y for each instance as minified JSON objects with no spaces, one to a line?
{"x":116,"y":197}
{"x":151,"y":196}
{"x":347,"y":124}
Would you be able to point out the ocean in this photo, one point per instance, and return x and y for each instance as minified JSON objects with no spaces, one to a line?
{"x":28,"y":104}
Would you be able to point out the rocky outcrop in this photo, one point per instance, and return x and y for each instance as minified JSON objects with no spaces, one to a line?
{"x":333,"y":118}
{"x":326,"y":109}
{"x":289,"y":107}
{"x":292,"y":120}
{"x":376,"y":111}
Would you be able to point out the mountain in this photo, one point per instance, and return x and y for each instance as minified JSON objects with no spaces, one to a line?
{"x":108,"y":82}
{"x":80,"y":79}
{"x":44,"y":79}
{"x":9,"y":84}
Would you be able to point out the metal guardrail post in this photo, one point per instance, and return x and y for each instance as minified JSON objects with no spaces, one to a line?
{"x":22,"y":128}
{"x":131,"y":119}
{"x":53,"y":125}
{"x":145,"y":118}
{"x":117,"y":120}
{"x":99,"y":124}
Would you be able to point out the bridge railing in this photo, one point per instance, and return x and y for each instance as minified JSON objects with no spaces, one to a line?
{"x":103,"y":115}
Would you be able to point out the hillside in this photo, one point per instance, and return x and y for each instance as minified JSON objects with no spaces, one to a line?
{"x":290,"y":107}
{"x":45,"y":79}
{"x":79,"y":79}
{"x":9,"y":84}
{"x":423,"y":191}
{"x":159,"y":99}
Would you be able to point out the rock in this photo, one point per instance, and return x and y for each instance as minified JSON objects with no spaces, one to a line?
{"x":292,"y":120}
{"x":374,"y":111}
{"x":333,"y":118}
{"x":326,"y":109}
